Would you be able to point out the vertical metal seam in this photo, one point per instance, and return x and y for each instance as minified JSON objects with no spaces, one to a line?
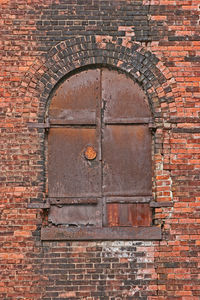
{"x":101,"y":114}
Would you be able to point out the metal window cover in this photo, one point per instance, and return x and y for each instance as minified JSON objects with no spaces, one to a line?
{"x":99,"y":146}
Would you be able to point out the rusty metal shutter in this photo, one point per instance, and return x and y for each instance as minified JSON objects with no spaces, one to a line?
{"x":74,"y":168}
{"x":99,"y":145}
{"x":75,"y":100}
{"x":71,"y":174}
{"x":127,"y":160}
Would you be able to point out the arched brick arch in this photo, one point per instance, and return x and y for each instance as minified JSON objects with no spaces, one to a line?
{"x":130,"y":57}
{"x":70,"y":55}
{"x":73,"y":54}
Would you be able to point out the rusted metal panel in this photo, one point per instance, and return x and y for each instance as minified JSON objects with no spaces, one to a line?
{"x":113,"y":214}
{"x":127,"y":169}
{"x":84,"y":117}
{"x":140,"y":215}
{"x":106,"y":233}
{"x":128,"y":214}
{"x":123,"y":99}
{"x":77,"y":96}
{"x":70,"y":173}
{"x":86,"y":215}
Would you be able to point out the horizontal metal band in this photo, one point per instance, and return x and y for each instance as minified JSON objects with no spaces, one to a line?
{"x":96,"y":200}
{"x":80,"y":122}
{"x":161,"y":204}
{"x":132,"y":194}
{"x":59,"y":124}
{"x":39,"y":205}
{"x":97,"y":233}
{"x":38,"y":125}
{"x":69,"y":201}
{"x":128,"y":121}
{"x":72,"y":122}
{"x":136,"y":199}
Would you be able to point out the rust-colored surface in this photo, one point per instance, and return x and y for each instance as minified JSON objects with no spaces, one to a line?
{"x":76,"y":98}
{"x":127,"y":160}
{"x":113,"y":214}
{"x":140,"y":215}
{"x":70,"y":174}
{"x":90,"y":153}
{"x":123,"y":99}
{"x":137,"y":214}
{"x":99,"y":146}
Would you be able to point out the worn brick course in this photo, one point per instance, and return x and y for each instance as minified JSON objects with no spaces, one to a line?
{"x":157,"y":42}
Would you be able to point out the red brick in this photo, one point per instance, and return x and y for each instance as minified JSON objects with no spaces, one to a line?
{"x":167,"y":33}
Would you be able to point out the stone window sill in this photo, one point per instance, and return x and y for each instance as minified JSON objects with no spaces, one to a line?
{"x":101,"y":233}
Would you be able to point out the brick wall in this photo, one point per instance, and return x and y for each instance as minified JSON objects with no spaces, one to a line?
{"x":157,"y":42}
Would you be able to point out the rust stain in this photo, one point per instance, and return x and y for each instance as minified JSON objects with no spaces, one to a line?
{"x":90,"y":153}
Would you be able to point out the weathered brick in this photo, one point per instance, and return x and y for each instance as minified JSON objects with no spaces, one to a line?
{"x":156,"y":43}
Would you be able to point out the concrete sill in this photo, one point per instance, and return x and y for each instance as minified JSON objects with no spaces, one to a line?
{"x":96,"y":233}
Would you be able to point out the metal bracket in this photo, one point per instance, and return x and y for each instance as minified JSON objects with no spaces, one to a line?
{"x":44,"y":205}
{"x":155,"y":204}
{"x":45,"y":125}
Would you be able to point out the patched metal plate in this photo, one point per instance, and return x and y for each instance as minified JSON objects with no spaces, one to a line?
{"x":123,"y":99}
{"x":137,"y":214}
{"x":127,"y":169}
{"x":70,"y":173}
{"x":87,"y":215}
{"x":76,"y":99}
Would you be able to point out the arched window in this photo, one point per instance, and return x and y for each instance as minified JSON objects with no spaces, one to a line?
{"x":99,"y":159}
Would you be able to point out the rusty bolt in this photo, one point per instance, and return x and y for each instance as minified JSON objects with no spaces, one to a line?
{"x":90,"y":153}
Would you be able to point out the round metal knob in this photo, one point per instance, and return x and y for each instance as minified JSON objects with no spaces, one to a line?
{"x":90,"y":153}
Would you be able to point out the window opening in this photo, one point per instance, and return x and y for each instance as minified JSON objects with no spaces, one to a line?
{"x":99,"y":158}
